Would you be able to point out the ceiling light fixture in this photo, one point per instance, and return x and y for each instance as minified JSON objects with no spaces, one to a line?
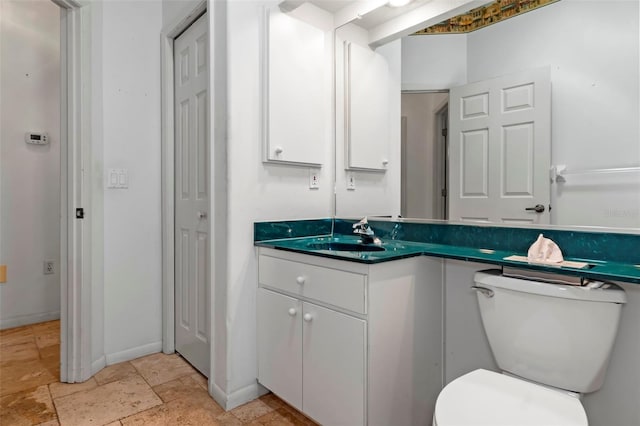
{"x":398,"y":3}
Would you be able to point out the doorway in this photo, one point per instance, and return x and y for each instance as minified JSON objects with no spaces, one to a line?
{"x":424,"y":182}
{"x":30,"y":162}
{"x":31,"y":147}
{"x":74,"y":246}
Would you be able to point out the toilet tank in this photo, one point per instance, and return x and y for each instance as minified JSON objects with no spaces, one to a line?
{"x":557,"y":335}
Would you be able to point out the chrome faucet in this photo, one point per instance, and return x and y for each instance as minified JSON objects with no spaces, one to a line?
{"x":365,"y":232}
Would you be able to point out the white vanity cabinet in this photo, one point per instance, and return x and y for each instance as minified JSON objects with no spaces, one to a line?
{"x":348,"y":343}
{"x":309,"y":350}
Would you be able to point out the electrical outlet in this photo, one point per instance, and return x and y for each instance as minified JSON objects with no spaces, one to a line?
{"x":314,"y":178}
{"x":351,"y":182}
{"x":49,"y":267}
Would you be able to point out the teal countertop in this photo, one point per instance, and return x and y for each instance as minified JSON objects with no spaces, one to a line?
{"x":399,"y":249}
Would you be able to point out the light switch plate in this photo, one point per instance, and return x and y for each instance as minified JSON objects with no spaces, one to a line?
{"x":117,"y":178}
{"x":314,"y":178}
{"x":351,"y":182}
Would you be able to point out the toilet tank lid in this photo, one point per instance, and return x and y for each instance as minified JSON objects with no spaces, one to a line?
{"x":607,"y":293}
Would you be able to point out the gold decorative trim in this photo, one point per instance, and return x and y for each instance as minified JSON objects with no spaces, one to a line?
{"x":484,"y":16}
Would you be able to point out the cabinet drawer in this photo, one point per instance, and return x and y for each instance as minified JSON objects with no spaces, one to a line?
{"x":332,"y":286}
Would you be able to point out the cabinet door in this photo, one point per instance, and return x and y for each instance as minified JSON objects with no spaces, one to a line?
{"x":333,"y":360}
{"x":296,"y":105}
{"x":280,"y":345}
{"x":372,"y":102}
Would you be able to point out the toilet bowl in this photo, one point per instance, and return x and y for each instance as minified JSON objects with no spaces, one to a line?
{"x":553,"y":341}
{"x":486,"y":398}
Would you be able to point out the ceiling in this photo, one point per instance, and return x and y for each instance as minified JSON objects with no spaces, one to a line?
{"x":370,"y":14}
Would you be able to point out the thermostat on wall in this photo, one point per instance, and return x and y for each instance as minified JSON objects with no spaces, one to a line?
{"x":36,"y":138}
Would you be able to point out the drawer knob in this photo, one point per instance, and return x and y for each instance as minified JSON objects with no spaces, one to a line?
{"x":307,"y":317}
{"x":300,"y":280}
{"x":292,"y":312}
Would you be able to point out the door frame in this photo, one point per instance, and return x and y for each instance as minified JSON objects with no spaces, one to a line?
{"x":436,"y":112}
{"x":75,"y":191}
{"x":168,"y":35}
{"x":442,"y":162}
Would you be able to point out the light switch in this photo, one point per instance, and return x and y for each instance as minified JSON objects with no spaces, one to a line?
{"x":123,"y":178}
{"x":314,"y":178}
{"x":351,"y":182}
{"x":117,"y":178}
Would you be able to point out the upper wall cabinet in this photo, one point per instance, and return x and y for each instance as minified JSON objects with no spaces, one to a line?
{"x":367,"y":81}
{"x":296,"y":86}
{"x":368,"y":100}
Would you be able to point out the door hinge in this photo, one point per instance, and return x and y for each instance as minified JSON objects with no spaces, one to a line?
{"x":443,"y":192}
{"x":79,"y":213}
{"x":444,"y":132}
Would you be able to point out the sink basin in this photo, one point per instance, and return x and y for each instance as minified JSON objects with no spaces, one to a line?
{"x":340,"y":246}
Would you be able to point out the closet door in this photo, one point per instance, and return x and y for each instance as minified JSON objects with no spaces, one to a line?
{"x":192,"y":287}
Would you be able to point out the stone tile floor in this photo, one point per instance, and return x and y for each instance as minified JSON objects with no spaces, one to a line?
{"x":157,"y":389}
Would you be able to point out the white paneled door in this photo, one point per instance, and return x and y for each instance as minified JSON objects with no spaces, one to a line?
{"x":500,"y":149}
{"x":191,"y":91}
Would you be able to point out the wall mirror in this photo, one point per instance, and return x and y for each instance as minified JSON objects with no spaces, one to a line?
{"x":590,"y":51}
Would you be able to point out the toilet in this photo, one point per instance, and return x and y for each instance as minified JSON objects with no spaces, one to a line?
{"x":552,"y":343}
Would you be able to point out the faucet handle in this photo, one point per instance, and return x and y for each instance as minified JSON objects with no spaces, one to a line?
{"x":362,"y":227}
{"x":364,"y":223}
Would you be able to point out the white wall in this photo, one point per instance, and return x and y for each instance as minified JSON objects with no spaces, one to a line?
{"x":30,"y":174}
{"x":256,"y":192}
{"x":173,"y":10}
{"x":130,"y":101}
{"x":593,"y":50}
{"x":434,"y":62}
{"x":467,"y":348}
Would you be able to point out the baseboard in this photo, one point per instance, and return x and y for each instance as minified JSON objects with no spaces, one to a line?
{"x":133,"y":353}
{"x":21,"y":320}
{"x":239,"y":397}
{"x":218,"y":395}
{"x":98,"y":365}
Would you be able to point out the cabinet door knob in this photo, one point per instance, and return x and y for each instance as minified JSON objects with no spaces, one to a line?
{"x":279,"y":150}
{"x":292,"y":312}
{"x":300,"y":280}
{"x":307,"y":317}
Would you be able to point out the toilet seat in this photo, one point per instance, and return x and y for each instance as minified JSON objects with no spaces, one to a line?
{"x":483,"y":397}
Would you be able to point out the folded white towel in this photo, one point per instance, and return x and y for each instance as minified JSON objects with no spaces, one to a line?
{"x":544,"y":250}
